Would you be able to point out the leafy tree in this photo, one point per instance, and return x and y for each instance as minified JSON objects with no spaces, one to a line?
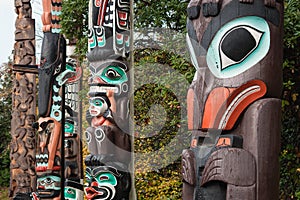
{"x":75,"y":24}
{"x":167,"y":14}
{"x":5,"y":117}
{"x":290,"y":140}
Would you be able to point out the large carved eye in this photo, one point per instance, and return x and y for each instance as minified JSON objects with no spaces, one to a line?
{"x":114,"y":75}
{"x":98,"y":101}
{"x":106,"y":178}
{"x":238,"y":46}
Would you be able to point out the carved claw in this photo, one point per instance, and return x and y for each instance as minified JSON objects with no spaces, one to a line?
{"x":188,"y":166}
{"x":230,"y":165}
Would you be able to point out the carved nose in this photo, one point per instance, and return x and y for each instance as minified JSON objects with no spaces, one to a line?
{"x":42,"y":146}
{"x":98,"y":80}
{"x":94,"y":183}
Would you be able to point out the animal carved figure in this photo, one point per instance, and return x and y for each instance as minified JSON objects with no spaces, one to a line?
{"x":233,"y":101}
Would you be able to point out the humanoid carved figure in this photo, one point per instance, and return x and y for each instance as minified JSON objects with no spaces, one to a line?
{"x":233,"y":101}
{"x":109,"y":143}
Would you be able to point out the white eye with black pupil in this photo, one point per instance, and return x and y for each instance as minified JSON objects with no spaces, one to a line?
{"x":112,"y":73}
{"x":237,"y":44}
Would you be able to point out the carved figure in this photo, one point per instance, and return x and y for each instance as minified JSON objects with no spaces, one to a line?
{"x":22,"y":154}
{"x":72,"y":132}
{"x":52,"y":75}
{"x":109,"y":143}
{"x":233,"y":101}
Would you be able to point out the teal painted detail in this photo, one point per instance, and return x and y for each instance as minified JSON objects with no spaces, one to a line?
{"x":92,"y":38}
{"x":61,"y":78}
{"x":96,"y":102}
{"x":127,"y":42}
{"x":69,"y":128}
{"x":56,"y":98}
{"x":55,"y":88}
{"x":56,"y":13}
{"x":49,"y":182}
{"x":69,"y":67}
{"x":55,"y":30}
{"x":114,"y":75}
{"x":70,"y":193}
{"x":253,"y":23}
{"x":106,"y":178}
{"x":120,"y":41}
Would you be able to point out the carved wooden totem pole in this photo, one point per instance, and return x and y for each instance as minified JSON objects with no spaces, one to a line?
{"x":22,"y":154}
{"x":51,"y":100}
{"x":109,"y":143}
{"x":72,"y":132}
{"x":233,"y":101}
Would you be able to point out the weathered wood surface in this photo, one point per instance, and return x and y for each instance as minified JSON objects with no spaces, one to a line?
{"x":22,"y":155}
{"x":233,"y":101}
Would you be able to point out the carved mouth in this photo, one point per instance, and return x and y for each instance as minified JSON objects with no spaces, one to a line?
{"x":92,"y":193}
{"x":93,"y":112}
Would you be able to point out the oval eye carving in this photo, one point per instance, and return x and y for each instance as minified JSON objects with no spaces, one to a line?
{"x":112,"y":74}
{"x":237,"y":44}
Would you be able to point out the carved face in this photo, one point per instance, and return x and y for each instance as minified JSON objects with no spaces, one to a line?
{"x":111,"y":75}
{"x":233,"y":48}
{"x":101,"y":183}
{"x":49,"y":185}
{"x":97,"y":106}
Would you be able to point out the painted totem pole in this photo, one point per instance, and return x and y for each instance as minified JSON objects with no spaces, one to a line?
{"x":72,"y":131}
{"x":233,"y":101}
{"x":109,"y":143}
{"x":22,"y":154}
{"x":51,"y":100}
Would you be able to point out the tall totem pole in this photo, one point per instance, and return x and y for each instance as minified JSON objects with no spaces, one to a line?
{"x":51,"y":101}
{"x":22,"y":154}
{"x":109,"y":143}
{"x":233,"y":101}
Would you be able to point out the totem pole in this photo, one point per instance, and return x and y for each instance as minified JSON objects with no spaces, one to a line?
{"x":51,"y":100}
{"x":109,"y":143}
{"x":233,"y":101}
{"x":22,"y":154}
{"x":72,"y":130}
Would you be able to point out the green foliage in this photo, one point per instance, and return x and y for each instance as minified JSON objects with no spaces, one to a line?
{"x":74,"y":24}
{"x":5,"y":117}
{"x":289,"y":181}
{"x":161,"y":82}
{"x":290,"y":139}
{"x":168,"y":14}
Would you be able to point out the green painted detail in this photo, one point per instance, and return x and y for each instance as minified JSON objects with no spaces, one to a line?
{"x":114,"y":75}
{"x":106,"y":178}
{"x":69,"y":128}
{"x":96,"y":102}
{"x":70,"y":193}
{"x":49,"y":182}
{"x":69,"y":67}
